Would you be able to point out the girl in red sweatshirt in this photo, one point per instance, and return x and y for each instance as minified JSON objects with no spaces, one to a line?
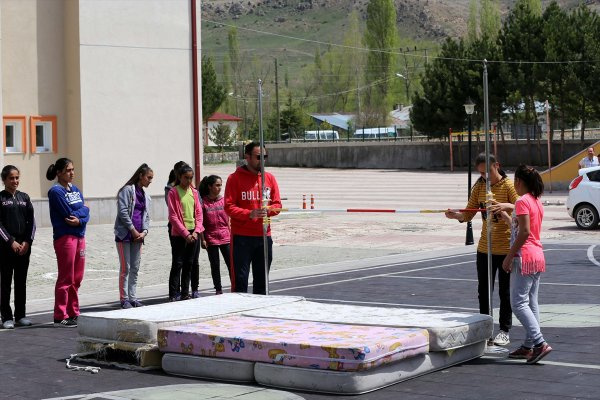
{"x":243,"y":205}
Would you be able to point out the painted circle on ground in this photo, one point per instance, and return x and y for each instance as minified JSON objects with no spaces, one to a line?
{"x":197,"y":391}
{"x":564,"y":316}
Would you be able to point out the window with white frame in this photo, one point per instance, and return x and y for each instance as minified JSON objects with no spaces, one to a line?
{"x":43,"y":134}
{"x":14,"y":134}
{"x":43,"y":137}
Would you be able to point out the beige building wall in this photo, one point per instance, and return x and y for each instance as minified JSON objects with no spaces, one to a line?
{"x":118,"y":77}
{"x":72,"y":123}
{"x":136,"y":91}
{"x":33,"y":79}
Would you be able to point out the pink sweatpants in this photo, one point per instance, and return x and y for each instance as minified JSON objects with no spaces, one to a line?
{"x":70,"y":256}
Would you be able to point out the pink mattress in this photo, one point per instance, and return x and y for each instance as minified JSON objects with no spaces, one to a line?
{"x":304,"y":344}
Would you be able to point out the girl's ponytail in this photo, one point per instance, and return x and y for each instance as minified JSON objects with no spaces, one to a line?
{"x":531,"y":178}
{"x":59,"y":165}
{"x":51,"y":172}
{"x":206,"y":183}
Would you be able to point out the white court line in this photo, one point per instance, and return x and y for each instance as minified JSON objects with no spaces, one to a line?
{"x":590,"y":255}
{"x":364,"y":269}
{"x":368,"y":277}
{"x":378,"y":303}
{"x":557,"y":363}
{"x":280,"y":280}
{"x":475,"y":280}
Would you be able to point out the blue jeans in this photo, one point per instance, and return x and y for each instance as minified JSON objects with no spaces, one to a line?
{"x":247,"y":251}
{"x":524,"y":301}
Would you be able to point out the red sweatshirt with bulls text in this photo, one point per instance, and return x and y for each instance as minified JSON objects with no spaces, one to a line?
{"x":242,"y":195}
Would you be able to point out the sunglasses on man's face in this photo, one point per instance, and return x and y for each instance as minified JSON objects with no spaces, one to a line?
{"x":265,"y":156}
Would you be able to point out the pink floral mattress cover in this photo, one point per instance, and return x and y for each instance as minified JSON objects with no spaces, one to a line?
{"x":304,"y":344}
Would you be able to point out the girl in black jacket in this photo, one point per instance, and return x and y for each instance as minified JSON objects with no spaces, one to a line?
{"x":17,"y":229}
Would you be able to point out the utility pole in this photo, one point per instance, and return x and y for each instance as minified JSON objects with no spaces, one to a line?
{"x":277,"y":101}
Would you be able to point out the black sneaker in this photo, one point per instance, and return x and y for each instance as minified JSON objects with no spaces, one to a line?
{"x":65,"y":323}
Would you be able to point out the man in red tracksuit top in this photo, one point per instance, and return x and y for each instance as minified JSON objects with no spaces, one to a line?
{"x":243,"y":205}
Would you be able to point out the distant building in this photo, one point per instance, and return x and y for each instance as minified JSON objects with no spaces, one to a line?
{"x":400,"y":117}
{"x":214,"y":120}
{"x":337,"y":121}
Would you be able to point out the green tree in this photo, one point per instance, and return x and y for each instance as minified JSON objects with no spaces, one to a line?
{"x":490,"y":21}
{"x":522,"y":44}
{"x":318,"y":73}
{"x":380,"y":37}
{"x":213,"y":93}
{"x":586,"y":47}
{"x":293,"y":120}
{"x":560,"y":79}
{"x":446,"y":86}
{"x":235,"y":64}
{"x":472,"y":21}
{"x":352,"y":38}
{"x":221,"y":136}
{"x":229,"y":102}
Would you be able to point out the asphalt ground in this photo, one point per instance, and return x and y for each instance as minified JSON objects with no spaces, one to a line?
{"x":328,"y":256}
{"x":33,"y":367}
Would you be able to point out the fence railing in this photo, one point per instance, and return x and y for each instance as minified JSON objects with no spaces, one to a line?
{"x":407,"y":136}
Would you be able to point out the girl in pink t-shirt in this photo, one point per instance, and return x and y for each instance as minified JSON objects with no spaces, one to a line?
{"x":216,"y":235}
{"x":526,"y":262}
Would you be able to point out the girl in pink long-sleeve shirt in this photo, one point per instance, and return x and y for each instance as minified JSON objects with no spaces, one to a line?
{"x":185,"y":217}
{"x":526,"y":262}
{"x":216,"y":235}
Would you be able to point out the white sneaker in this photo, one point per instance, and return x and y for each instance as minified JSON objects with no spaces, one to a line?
{"x":502,"y":339}
{"x":8,"y":324}
{"x":24,"y":322}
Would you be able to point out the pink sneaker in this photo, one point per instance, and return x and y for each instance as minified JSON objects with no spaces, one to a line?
{"x":538,"y":353}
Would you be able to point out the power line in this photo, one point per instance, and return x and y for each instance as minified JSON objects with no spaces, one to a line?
{"x":473,"y":60}
{"x":375,"y":83}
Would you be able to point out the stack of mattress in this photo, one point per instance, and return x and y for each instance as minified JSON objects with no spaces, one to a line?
{"x":324,"y":347}
{"x":135,"y":330}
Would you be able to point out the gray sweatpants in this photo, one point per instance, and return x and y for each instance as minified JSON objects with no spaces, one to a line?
{"x":129,"y":260}
{"x":524,"y":302}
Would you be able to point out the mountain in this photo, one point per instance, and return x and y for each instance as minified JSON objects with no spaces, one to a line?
{"x":293,"y":31}
{"x":432,"y":19}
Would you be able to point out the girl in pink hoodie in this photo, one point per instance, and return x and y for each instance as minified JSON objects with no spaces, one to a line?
{"x":216,"y":235}
{"x":185,"y":217}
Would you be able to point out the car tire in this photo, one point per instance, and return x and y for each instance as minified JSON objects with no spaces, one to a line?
{"x":586,"y":217}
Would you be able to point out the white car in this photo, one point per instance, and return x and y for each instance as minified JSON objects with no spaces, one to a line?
{"x":583,"y":203}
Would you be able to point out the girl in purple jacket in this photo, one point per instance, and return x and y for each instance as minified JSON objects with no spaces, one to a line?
{"x":216,"y":235}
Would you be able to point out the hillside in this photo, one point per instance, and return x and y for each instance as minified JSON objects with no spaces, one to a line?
{"x":422,"y":25}
{"x":418,"y":18}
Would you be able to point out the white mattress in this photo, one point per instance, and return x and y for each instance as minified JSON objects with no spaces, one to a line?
{"x":223,"y":369}
{"x":140,"y":325}
{"x":316,"y":380}
{"x":447,"y":330}
{"x":365,"y":381}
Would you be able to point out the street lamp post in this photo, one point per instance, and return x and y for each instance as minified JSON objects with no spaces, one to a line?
{"x":469,"y":109}
{"x":406,"y":85}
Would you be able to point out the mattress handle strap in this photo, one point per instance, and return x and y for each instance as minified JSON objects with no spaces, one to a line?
{"x":93,"y":370}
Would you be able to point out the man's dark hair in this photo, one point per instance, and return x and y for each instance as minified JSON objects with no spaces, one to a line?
{"x":250,"y":146}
